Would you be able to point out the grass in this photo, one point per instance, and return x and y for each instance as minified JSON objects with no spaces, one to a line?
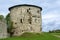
{"x":34,"y":36}
{"x":56,"y":34}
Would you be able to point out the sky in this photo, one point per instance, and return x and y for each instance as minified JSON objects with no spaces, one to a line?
{"x":50,"y":12}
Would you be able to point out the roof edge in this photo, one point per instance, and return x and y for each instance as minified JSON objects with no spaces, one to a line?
{"x":25,"y":5}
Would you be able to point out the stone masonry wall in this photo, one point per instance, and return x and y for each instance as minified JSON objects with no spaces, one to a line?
{"x":26,"y":19}
{"x":3,"y":29}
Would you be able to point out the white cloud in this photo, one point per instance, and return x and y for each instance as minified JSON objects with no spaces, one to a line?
{"x":51,"y":20}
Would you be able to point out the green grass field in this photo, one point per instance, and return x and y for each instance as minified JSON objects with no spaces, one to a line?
{"x":56,"y":34}
{"x":34,"y":36}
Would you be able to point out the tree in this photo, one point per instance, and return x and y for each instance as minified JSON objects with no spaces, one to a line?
{"x":1,"y":17}
{"x":55,"y":31}
{"x":9,"y":24}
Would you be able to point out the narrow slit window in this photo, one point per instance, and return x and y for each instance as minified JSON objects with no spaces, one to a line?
{"x":29,"y":20}
{"x":15,"y":23}
{"x":29,"y":8}
{"x":38,"y":11}
{"x":21,"y":21}
{"x":22,"y":30}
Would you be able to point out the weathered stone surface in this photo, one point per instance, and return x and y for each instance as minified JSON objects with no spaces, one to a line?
{"x":26,"y":19}
{"x":3,"y":28}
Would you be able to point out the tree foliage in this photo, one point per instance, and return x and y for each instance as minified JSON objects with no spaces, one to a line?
{"x":55,"y":31}
{"x":9,"y":24}
{"x":1,"y":17}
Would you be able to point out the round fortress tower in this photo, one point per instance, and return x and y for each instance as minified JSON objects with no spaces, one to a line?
{"x":26,"y":18}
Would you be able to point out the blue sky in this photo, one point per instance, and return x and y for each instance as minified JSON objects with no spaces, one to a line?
{"x":50,"y":12}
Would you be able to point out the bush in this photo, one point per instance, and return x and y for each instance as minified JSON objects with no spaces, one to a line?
{"x":55,"y":31}
{"x":9,"y":24}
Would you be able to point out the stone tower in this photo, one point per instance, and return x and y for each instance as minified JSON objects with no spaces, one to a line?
{"x":26,"y":18}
